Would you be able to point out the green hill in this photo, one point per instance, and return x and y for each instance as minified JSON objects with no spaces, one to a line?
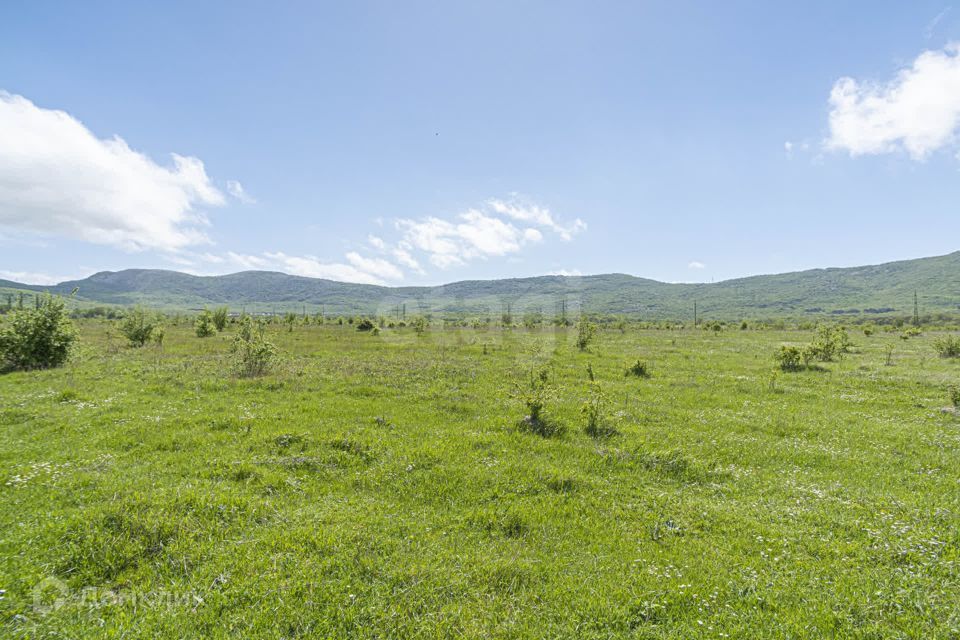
{"x":872,"y":290}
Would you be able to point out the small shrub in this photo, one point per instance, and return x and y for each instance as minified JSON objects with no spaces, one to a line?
{"x":954,"y":394}
{"x":419,"y":325}
{"x":638,"y":369}
{"x":830,"y":343}
{"x":204,"y":326}
{"x":536,"y":393}
{"x":220,"y":318}
{"x":253,"y":354}
{"x":137,"y":327}
{"x":365,"y":325}
{"x":592,"y":410}
{"x":586,"y":332}
{"x":38,"y":338}
{"x":713,"y":325}
{"x":788,"y":358}
{"x":947,"y":346}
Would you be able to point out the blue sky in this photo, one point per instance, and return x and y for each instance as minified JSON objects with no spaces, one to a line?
{"x":422,"y":143}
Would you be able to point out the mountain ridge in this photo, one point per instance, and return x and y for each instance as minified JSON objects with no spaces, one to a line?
{"x":885,"y":288}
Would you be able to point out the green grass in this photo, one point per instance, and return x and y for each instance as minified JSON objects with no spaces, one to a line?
{"x":379,"y":486}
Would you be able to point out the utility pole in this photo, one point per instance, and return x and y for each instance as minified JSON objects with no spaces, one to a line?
{"x":694,"y":314}
{"x":916,"y":310}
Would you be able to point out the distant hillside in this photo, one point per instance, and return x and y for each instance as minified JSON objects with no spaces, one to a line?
{"x":879,"y":290}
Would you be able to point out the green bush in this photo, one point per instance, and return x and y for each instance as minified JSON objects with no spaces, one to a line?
{"x":788,"y":358}
{"x":220,"y":318}
{"x":830,"y":343}
{"x":947,"y":346}
{"x":137,"y":327}
{"x":638,"y":369}
{"x":419,"y":325}
{"x":586,"y":332}
{"x":253,"y":354}
{"x":204,"y":324}
{"x":954,"y":395}
{"x":536,"y":393}
{"x":38,"y":338}
{"x":593,"y":411}
{"x":365,"y":325}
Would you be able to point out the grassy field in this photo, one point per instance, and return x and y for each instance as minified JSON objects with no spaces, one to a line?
{"x":379,"y":486}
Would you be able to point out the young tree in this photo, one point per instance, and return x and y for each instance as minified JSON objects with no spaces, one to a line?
{"x":37,"y":338}
{"x":204,"y":324}
{"x":253,"y":354}
{"x":137,"y":327}
{"x":220,"y":318}
{"x":419,"y":325}
{"x":586,"y":332}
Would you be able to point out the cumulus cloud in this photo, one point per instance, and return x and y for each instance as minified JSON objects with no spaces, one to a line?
{"x":540,"y":216}
{"x":58,"y":178}
{"x":376,"y":242}
{"x":918,"y":111}
{"x":696,"y":265}
{"x":473,"y":234}
{"x":377,"y":267}
{"x":479,"y":233}
{"x":566,"y":272}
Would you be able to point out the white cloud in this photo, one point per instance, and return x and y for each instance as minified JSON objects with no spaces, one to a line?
{"x":377,"y":267}
{"x":532,"y":235}
{"x":315,"y":268}
{"x":696,"y":265}
{"x":376,"y":242}
{"x":788,"y":146}
{"x":918,"y":111}
{"x":248,"y":261}
{"x":58,"y":178}
{"x":26,"y":277}
{"x":401,"y":254}
{"x":932,"y":25}
{"x":473,"y":235}
{"x":541,"y":216}
{"x":357,"y":268}
{"x":477,"y":234}
{"x":566,"y":272}
{"x":236,"y":189}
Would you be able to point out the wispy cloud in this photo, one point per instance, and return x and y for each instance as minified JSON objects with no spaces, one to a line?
{"x":917,"y":111}
{"x":937,"y":19}
{"x":28,"y":277}
{"x":236,"y":190}
{"x":696,"y":265}
{"x":540,"y":216}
